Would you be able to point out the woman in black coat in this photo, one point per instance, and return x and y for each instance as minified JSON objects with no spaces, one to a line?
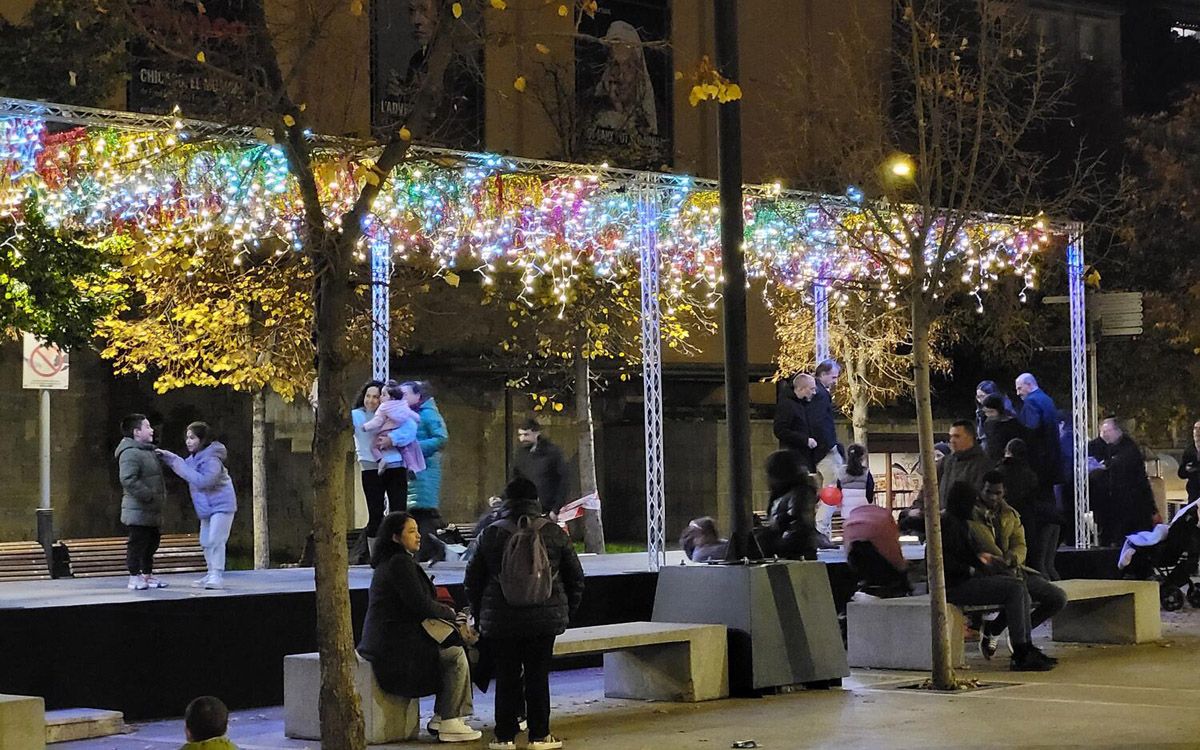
{"x":404,"y":657}
{"x":520,"y":639}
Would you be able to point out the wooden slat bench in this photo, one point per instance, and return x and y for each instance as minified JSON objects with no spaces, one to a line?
{"x":895,"y":633}
{"x":23,"y":561}
{"x":177,"y":553}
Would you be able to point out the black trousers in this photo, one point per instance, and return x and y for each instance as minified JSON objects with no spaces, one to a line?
{"x":392,"y":483}
{"x":873,"y":569}
{"x":139,"y":552}
{"x":530,"y":691}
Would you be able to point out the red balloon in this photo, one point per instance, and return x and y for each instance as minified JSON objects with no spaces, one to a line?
{"x":830,"y":495}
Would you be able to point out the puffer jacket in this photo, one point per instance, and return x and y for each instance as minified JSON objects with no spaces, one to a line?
{"x":496,"y":617}
{"x":1000,"y":533}
{"x":425,"y":489}
{"x":207,"y":478}
{"x":144,"y":490}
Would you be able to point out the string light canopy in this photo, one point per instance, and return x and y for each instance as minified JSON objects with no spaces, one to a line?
{"x":170,"y":182}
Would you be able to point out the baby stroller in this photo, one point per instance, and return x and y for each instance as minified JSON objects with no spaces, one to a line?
{"x":1169,"y":557}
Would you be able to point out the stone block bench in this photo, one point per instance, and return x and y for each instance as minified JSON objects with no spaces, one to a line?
{"x":387,"y":717}
{"x":642,"y":660}
{"x":22,"y":722}
{"x":664,"y":661}
{"x":896,"y":633}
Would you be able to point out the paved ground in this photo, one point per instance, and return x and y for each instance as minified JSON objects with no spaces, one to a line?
{"x":1144,"y":696}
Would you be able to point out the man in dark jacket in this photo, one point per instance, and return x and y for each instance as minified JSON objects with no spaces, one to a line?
{"x":143,"y":493}
{"x":541,"y":462}
{"x":966,"y":463}
{"x":1040,"y":418}
{"x":1121,"y":494}
{"x":520,"y":640}
{"x":791,"y":419}
{"x":828,"y":456}
{"x":1189,"y":465}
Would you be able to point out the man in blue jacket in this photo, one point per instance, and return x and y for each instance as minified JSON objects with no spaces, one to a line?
{"x":1040,"y":417}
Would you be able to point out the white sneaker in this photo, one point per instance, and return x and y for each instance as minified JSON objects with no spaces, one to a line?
{"x":199,"y":582}
{"x":862,"y":596}
{"x":549,"y":742}
{"x":136,"y":584}
{"x":155,"y":583}
{"x":501,"y":745}
{"x":457,"y":730}
{"x":215,"y":583}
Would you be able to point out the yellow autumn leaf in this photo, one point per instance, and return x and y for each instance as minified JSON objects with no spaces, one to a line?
{"x":451,"y":278}
{"x":289,"y":120}
{"x":405,"y":134}
{"x":542,"y":48}
{"x":456,"y":9}
{"x":356,"y":7}
{"x":499,"y":4}
{"x":558,"y":406}
{"x":519,"y":84}
{"x":200,"y":57}
{"x":562,"y":11}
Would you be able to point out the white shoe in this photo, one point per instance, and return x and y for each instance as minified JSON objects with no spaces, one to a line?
{"x":136,"y":583}
{"x":549,"y":742}
{"x":457,"y":730}
{"x":214,"y":583}
{"x":501,"y":745}
{"x":862,"y":596}
{"x":199,"y":582}
{"x":154,"y":583}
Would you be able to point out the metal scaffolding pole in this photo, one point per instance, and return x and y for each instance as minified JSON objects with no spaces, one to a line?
{"x":652,"y":375}
{"x":1084,"y":527}
{"x":821,"y":315}
{"x":381,"y":323}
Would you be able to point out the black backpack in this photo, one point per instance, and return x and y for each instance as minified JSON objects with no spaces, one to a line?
{"x":526,"y":576}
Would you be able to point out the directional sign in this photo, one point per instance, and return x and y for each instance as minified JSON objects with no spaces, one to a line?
{"x":43,"y":367}
{"x":1120,"y":313}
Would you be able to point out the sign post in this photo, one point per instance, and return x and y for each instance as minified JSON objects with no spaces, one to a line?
{"x":44,"y":367}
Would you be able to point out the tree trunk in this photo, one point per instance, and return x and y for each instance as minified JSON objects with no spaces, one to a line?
{"x":860,"y":416}
{"x":943,"y":665}
{"x":584,"y":426}
{"x":340,"y":707}
{"x":258,"y":473}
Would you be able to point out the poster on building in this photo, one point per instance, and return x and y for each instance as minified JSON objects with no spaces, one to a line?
{"x":401,"y":31}
{"x":165,"y":72}
{"x":624,"y":84}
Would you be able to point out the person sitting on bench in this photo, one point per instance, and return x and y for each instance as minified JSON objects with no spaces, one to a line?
{"x":996,"y":529}
{"x":701,"y":542}
{"x":873,"y":553}
{"x":971,"y":578}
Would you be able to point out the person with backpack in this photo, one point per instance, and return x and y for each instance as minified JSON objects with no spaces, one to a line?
{"x":524,"y":584}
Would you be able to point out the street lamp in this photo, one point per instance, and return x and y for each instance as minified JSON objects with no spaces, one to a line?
{"x":901,"y":166}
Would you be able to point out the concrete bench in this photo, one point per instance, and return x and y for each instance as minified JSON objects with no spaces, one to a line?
{"x":387,"y":717}
{"x":22,"y":722}
{"x":656,"y":660}
{"x":896,"y":633}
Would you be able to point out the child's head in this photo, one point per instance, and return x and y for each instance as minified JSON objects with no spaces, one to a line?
{"x":393,"y":391}
{"x":206,"y":717}
{"x":856,"y":459}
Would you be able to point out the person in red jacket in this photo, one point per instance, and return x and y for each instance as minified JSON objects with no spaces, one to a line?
{"x":872,"y":542}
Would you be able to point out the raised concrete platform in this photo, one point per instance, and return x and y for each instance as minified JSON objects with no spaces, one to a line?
{"x":898,"y":634}
{"x":69,"y":724}
{"x":387,"y":718}
{"x":22,"y":722}
{"x":783,"y":627}
{"x":655,"y":660}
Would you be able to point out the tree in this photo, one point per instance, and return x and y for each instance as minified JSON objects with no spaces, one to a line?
{"x":1159,"y":227}
{"x":55,"y":286}
{"x":208,"y":318}
{"x":870,"y":340}
{"x":930,"y":164}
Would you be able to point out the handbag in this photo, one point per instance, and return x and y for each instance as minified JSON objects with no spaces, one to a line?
{"x":447,"y":633}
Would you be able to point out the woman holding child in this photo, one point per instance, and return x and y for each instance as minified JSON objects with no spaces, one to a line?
{"x":383,"y":465}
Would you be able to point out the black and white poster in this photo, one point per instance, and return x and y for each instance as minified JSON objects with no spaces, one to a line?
{"x":166,"y":69}
{"x":401,"y":33}
{"x":623,"y":84}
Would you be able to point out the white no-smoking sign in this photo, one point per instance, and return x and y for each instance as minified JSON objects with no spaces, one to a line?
{"x":43,"y":366}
